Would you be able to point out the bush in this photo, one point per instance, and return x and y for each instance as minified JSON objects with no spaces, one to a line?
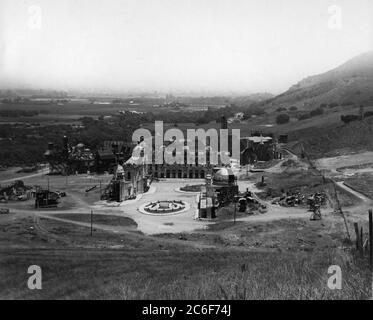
{"x":280,"y":109}
{"x":293,"y":108}
{"x":313,"y":113}
{"x":202,"y":120}
{"x":368,"y":114}
{"x":282,"y":118}
{"x":349,"y":118}
{"x":253,"y":112}
{"x":316,"y":112}
{"x":304,"y":116}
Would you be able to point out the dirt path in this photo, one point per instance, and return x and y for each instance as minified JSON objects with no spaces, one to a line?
{"x":353,"y":192}
{"x":40,"y":173}
{"x":277,"y":168}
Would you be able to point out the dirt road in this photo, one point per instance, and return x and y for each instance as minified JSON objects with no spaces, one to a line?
{"x":39,"y":173}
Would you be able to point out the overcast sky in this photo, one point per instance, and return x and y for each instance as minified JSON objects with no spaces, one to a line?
{"x":221,"y":46}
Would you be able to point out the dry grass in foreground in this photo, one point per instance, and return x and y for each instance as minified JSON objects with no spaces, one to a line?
{"x":265,"y":277}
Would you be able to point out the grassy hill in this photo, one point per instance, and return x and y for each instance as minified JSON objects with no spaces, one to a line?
{"x":336,"y":139}
{"x":349,"y":83}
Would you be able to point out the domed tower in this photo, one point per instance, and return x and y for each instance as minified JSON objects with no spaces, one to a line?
{"x":224,"y":184}
{"x":224,"y":177}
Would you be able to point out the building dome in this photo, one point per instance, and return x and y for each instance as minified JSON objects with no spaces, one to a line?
{"x":224,"y":176}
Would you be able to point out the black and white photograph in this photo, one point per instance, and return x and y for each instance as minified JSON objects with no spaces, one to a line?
{"x":186,"y":155}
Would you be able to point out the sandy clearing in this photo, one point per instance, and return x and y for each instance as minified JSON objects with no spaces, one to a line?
{"x":334,"y":163}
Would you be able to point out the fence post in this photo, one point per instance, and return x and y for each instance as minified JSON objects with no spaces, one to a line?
{"x":361,"y":241}
{"x":371,"y":239}
{"x":356,"y":226}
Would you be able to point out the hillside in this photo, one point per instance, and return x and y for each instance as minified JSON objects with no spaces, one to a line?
{"x":350,"y":83}
{"x":335,"y":139}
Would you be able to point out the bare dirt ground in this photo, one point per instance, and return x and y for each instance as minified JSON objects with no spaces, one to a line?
{"x":333,"y":163}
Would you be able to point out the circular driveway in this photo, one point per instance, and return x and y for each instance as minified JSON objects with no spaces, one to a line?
{"x":165,"y":190}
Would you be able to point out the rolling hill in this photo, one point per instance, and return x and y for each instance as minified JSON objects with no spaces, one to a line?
{"x":350,"y":83}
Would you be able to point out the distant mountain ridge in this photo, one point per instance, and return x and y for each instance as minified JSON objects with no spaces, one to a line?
{"x":350,"y":83}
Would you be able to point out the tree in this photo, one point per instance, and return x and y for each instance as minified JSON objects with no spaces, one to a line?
{"x":279,"y":109}
{"x":316,"y":112}
{"x":282,"y":118}
{"x":349,"y":118}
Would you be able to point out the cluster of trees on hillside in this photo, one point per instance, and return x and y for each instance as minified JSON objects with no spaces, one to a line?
{"x":253,"y":112}
{"x":353,"y":117}
{"x":282,"y":118}
{"x":313,"y":113}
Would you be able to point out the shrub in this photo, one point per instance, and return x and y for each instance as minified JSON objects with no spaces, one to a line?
{"x":304,"y":116}
{"x":280,"y":109}
{"x":349,"y":118}
{"x":316,"y":112}
{"x":282,"y":118}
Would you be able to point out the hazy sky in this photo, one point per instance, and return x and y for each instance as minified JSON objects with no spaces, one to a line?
{"x":177,"y":45}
